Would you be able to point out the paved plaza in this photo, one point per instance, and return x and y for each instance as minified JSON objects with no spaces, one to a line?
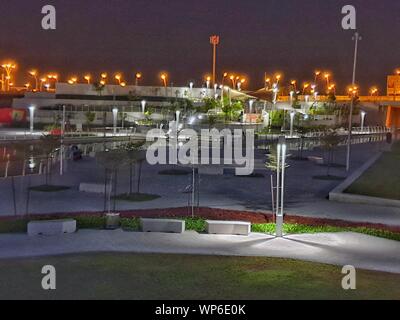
{"x":305,"y":196}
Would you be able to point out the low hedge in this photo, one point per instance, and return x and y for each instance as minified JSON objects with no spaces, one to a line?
{"x":199,"y":225}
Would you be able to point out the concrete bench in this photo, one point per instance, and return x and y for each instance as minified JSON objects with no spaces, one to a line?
{"x":93,"y":188}
{"x":228,"y":227}
{"x":163,"y":225}
{"x":317,"y":160}
{"x":51,"y":227}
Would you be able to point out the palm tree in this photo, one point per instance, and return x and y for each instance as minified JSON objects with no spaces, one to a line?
{"x":111,"y":161}
{"x":99,"y":88}
{"x":135,"y":155}
{"x":330,"y":141}
{"x":48,"y":144}
{"x":90,"y":117}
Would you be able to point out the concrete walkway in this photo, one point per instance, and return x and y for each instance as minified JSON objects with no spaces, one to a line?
{"x":340,"y":249}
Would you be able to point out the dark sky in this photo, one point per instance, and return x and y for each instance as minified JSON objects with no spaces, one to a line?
{"x":257,"y":36}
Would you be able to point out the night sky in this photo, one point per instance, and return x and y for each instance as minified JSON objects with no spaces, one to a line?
{"x":292,"y":36}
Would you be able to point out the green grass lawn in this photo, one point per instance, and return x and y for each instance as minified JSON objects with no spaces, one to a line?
{"x":134,"y":276}
{"x":382,"y":180}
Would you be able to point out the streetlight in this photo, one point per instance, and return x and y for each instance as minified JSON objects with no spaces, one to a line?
{"x":115,"y":120}
{"x":118,"y":77}
{"x":138,"y":77}
{"x":214,"y":41}
{"x":292,"y":115}
{"x":232,"y":78}
{"x":327,"y":76}
{"x":267,"y":83}
{"x":8,"y":67}
{"x":363,"y":115}
{"x":224,"y":77}
{"x":208,"y":82}
{"x":31,"y":117}
{"x":305,"y":86}
{"x":42,"y":83}
{"x":280,"y":186}
{"x":251,"y":103}
{"x":278,"y":78}
{"x":143,"y":106}
{"x":103,"y":78}
{"x":294,"y":84}
{"x":34,"y":74}
{"x":241,"y":83}
{"x":316,"y":75}
{"x":88,"y":78}
{"x":356,"y":38}
{"x":164,"y":79}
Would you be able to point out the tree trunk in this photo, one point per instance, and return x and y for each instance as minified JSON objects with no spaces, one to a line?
{"x":139,"y":177}
{"x":115,"y":190}
{"x":105,"y":189}
{"x":131,"y":173}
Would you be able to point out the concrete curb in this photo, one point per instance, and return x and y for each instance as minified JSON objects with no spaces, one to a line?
{"x":338,"y":194}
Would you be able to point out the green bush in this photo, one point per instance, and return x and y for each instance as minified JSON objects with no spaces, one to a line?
{"x":195,"y":224}
{"x":90,"y":222}
{"x":130,"y":224}
{"x":14,"y":226}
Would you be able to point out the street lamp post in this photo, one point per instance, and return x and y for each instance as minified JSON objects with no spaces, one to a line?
{"x":138,"y":77}
{"x":363,"y":114}
{"x":31,"y":117}
{"x":115,"y":120}
{"x":356,"y":38}
{"x":280,"y":186}
{"x":144,"y":106}
{"x":34,"y":74}
{"x":214,"y":41}
{"x":62,"y":141}
{"x":8,"y":67}
{"x":251,"y":103}
{"x":292,"y":115}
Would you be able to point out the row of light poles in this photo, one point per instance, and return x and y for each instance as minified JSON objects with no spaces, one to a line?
{"x":6,"y":82}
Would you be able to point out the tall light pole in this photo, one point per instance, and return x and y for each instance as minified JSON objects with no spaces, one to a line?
{"x":8,"y":67}
{"x":88,"y":78}
{"x":356,"y":38}
{"x":115,"y":120}
{"x":363,"y":114}
{"x":280,"y":185}
{"x":62,"y":140}
{"x":138,"y":77}
{"x":34,"y":74}
{"x":144,"y":106}
{"x":31,"y":117}
{"x":214,"y":41}
{"x":292,"y":115}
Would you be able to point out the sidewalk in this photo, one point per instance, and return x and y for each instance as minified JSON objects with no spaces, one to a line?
{"x":340,"y":249}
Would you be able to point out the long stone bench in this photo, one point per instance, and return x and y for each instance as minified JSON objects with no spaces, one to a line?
{"x":317,"y":160}
{"x":93,"y":188}
{"x":163,"y":225}
{"x":51,"y":227}
{"x":228,"y":227}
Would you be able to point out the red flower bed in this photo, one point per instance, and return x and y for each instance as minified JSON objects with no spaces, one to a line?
{"x":223,"y":214}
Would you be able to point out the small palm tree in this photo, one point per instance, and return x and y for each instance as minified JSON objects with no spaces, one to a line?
{"x":99,"y":88}
{"x":134,"y":155}
{"x":330,"y":141}
{"x":48,"y":144}
{"x":90,"y":117}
